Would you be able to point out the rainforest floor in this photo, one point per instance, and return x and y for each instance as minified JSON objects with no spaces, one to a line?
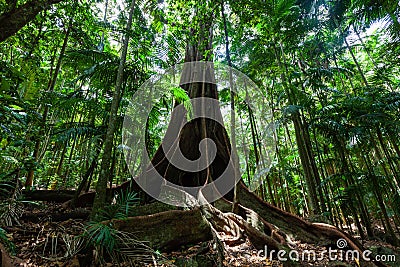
{"x":42,"y":238}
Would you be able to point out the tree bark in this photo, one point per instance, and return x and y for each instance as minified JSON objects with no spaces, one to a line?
{"x":235,"y":157}
{"x":174,"y":228}
{"x":55,"y":216}
{"x":6,"y":260}
{"x":88,"y":173}
{"x":100,"y":198}
{"x":12,"y":21}
{"x":58,"y":196}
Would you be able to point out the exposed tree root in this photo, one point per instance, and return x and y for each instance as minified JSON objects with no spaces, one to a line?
{"x":171,"y":229}
{"x":168,"y":230}
{"x":6,"y":260}
{"x":219,"y":245}
{"x":261,"y":222}
{"x":317,"y":233}
{"x":56,"y":216}
{"x":237,"y":226}
{"x":58,"y":196}
{"x":86,"y":199}
{"x":256,"y":221}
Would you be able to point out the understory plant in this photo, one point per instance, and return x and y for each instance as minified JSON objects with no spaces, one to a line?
{"x":114,"y":245}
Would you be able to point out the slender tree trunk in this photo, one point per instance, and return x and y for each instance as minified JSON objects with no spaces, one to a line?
{"x":71,"y":154}
{"x":311,"y":158}
{"x":388,"y":157}
{"x":356,"y":62}
{"x":101,"y":186}
{"x":61,"y":162}
{"x":372,"y":177}
{"x":235,"y":207}
{"x":53,"y":79}
{"x":89,"y":172}
{"x":298,"y":126}
{"x":305,"y":162}
{"x":323,"y":186}
{"x":366,"y":220}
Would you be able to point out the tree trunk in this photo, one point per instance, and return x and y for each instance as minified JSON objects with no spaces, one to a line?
{"x":100,"y":198}
{"x":233,"y":115}
{"x":52,"y":83}
{"x":306,"y":164}
{"x":12,"y":21}
{"x":49,"y":195}
{"x":364,"y":79}
{"x":191,"y":223}
{"x":172,"y":232}
{"x":89,"y":172}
